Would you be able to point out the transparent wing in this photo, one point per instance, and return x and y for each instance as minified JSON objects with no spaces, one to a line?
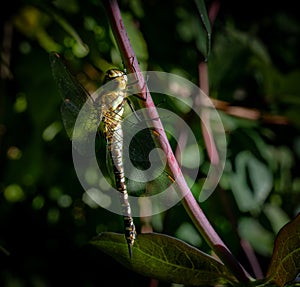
{"x":73,"y":94}
{"x":143,"y":160}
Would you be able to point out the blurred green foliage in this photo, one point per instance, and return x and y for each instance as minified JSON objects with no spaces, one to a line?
{"x":253,"y":69}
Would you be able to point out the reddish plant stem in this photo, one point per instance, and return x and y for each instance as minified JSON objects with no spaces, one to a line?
{"x":209,"y":140}
{"x":252,"y":259}
{"x":213,"y":11}
{"x":189,"y":202}
{"x":248,"y":250}
{"x":204,"y":86}
{"x":205,"y":114}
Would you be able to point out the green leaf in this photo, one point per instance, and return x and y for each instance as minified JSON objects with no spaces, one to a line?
{"x":165,"y":258}
{"x":80,"y":48}
{"x":277,"y":216}
{"x":251,"y":183}
{"x":285,"y":263}
{"x":137,"y":39}
{"x":204,"y":43}
{"x":259,"y":238}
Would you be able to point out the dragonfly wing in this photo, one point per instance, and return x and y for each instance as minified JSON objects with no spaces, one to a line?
{"x":72,"y":92}
{"x":147,"y":166}
{"x":69,"y":117}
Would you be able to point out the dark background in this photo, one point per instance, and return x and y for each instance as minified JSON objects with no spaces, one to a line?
{"x":45,"y":225}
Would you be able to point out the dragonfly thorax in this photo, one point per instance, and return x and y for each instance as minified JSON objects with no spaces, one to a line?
{"x":114,"y":97}
{"x":118,"y":77}
{"x":112,"y":118}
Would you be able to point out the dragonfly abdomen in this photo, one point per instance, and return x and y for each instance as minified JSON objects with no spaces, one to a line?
{"x":114,"y":101}
{"x":114,"y":135}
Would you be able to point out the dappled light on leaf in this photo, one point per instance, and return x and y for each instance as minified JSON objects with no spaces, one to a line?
{"x":285,"y":263}
{"x":165,"y":258}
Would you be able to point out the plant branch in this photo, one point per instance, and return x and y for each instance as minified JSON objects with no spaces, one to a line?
{"x":189,"y":202}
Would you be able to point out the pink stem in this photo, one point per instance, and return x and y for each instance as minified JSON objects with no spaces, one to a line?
{"x":189,"y":202}
{"x":206,"y":129}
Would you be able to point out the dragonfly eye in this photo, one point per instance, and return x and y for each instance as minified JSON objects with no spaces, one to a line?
{"x":113,"y":74}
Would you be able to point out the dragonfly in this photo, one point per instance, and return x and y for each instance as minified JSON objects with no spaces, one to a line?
{"x":110,"y":108}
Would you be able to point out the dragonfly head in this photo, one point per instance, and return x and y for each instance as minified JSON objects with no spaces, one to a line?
{"x":118,"y":76}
